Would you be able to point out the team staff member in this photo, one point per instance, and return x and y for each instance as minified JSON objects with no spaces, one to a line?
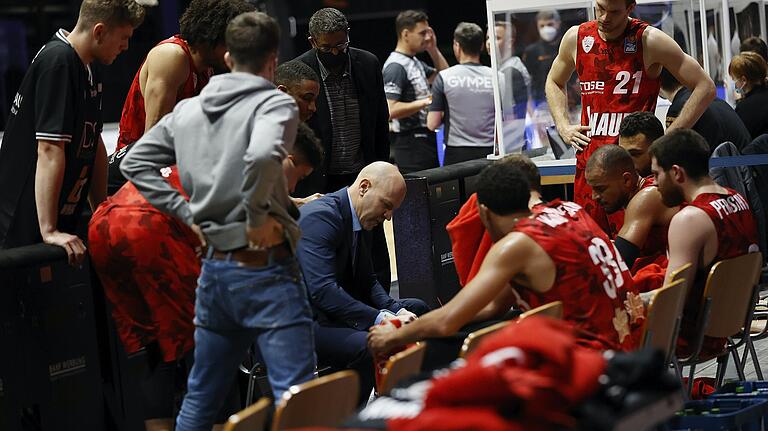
{"x":52,"y":157}
{"x":352,"y":118}
{"x":178,"y":67}
{"x":617,"y":186}
{"x":229,"y":144}
{"x":554,"y":252}
{"x":462,"y":99}
{"x":717,"y":223}
{"x":406,"y":84}
{"x":618,"y":61}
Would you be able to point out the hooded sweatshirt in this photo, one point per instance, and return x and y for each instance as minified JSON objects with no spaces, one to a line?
{"x":228,"y":144}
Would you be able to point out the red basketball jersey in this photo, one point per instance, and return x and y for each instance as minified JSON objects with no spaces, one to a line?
{"x":736,"y":236}
{"x":133,"y":117}
{"x":614,"y":84}
{"x":592,"y":280}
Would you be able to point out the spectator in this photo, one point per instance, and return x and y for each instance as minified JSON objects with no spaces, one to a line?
{"x":719,"y":122}
{"x":53,"y":157}
{"x":637,"y":132}
{"x":462,"y":98}
{"x":748,"y":72}
{"x":352,"y":116}
{"x":229,"y":144}
{"x":517,"y":80}
{"x":406,"y":84}
{"x":538,"y":56}
{"x":755,"y":44}
{"x":339,"y":270}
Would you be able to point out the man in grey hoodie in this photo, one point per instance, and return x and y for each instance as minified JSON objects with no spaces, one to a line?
{"x":228,"y":144}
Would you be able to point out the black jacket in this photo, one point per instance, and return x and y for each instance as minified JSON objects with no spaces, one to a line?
{"x":374,"y":116}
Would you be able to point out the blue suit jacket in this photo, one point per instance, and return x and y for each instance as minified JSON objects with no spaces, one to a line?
{"x":340,"y":293}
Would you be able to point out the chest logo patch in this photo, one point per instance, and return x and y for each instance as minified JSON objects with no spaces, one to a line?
{"x":630,"y":45}
{"x":587,"y":43}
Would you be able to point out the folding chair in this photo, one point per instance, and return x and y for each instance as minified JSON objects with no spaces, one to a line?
{"x":400,"y":366}
{"x":662,"y":321}
{"x":552,"y":309}
{"x":323,"y":402}
{"x":252,"y":418}
{"x":726,"y":309}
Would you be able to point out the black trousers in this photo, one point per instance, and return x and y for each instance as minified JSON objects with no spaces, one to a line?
{"x":414,"y":150}
{"x":455,"y":155}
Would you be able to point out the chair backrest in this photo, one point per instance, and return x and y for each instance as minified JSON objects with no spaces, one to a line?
{"x":684,"y":273}
{"x":252,"y":418}
{"x":662,"y":320}
{"x":323,"y":402}
{"x":473,"y":338}
{"x":730,"y":285}
{"x":400,"y":366}
{"x":552,"y":309}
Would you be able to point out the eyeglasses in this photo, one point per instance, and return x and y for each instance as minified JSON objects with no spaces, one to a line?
{"x":327,"y":49}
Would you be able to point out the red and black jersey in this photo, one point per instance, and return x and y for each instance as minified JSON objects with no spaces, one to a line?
{"x":736,"y":236}
{"x":148,"y":264}
{"x":592,"y":280}
{"x":59,"y":100}
{"x":613,"y":80}
{"x":133,"y":117}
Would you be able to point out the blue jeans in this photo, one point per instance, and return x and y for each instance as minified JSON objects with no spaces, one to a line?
{"x":235,"y":307}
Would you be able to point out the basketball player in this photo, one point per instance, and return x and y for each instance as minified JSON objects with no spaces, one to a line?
{"x":553,"y":252}
{"x":616,"y":185}
{"x":618,"y":60}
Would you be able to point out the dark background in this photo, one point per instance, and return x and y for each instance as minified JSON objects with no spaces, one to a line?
{"x":26,"y":25}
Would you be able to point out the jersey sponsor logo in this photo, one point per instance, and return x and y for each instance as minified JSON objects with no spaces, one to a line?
{"x":592,"y":87}
{"x":16,"y":105}
{"x":555,"y":216}
{"x":630,"y":45}
{"x":729,"y":205}
{"x":479,"y":82}
{"x":587,"y":43}
{"x":604,"y":123}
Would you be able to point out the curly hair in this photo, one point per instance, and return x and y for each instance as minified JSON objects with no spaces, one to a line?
{"x":503,"y":188}
{"x":205,"y":21}
{"x":291,"y":73}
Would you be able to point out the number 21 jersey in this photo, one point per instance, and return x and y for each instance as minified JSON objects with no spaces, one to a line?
{"x":613,"y":81}
{"x":591,"y":279}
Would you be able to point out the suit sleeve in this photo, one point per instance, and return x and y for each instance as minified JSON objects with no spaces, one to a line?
{"x":381,"y":144}
{"x":316,"y":251}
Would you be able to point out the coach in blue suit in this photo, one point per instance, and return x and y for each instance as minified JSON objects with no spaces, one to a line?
{"x":334,"y":252}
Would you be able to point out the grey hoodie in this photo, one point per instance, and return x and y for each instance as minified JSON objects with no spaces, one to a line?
{"x":228,"y":144}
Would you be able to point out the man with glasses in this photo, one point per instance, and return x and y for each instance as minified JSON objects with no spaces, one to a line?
{"x":407,"y":80}
{"x":352,"y":117}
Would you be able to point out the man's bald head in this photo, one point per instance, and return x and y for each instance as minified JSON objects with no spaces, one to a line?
{"x":378,"y":190}
{"x":612,"y":160}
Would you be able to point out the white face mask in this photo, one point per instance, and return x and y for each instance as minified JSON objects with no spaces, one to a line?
{"x":548,"y":33}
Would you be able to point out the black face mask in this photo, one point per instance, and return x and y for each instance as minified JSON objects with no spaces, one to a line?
{"x":333,"y":61}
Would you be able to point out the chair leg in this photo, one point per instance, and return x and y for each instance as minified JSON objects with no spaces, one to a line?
{"x":755,"y":360}
{"x":690,"y":380}
{"x":722,"y":365}
{"x":739,"y":368}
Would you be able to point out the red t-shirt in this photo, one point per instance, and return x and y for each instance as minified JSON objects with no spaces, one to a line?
{"x":133,"y":117}
{"x":614,"y":84}
{"x":736,"y":236}
{"x":592,"y":279}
